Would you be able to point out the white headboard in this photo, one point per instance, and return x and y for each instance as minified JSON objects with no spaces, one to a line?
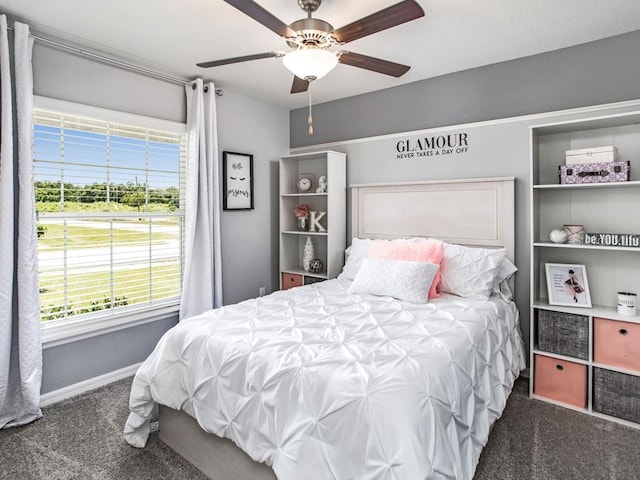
{"x":477,"y":212}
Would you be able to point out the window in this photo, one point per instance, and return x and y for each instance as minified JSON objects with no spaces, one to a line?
{"x":109,"y":202}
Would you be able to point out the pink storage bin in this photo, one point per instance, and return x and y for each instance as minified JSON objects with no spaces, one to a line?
{"x":560,"y":380}
{"x":616,"y":344}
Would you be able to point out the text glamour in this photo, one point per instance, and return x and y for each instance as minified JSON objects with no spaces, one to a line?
{"x":433,"y":146}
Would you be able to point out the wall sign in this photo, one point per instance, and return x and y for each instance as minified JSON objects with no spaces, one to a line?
{"x":433,"y":146}
{"x":612,"y":239}
{"x":237,"y":181}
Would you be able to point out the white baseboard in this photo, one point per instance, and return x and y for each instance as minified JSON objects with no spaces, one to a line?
{"x":69,"y":391}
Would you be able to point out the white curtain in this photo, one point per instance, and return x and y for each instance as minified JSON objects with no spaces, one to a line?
{"x":202,"y":282}
{"x":20,"y":345}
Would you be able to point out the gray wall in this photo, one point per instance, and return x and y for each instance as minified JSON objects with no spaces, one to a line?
{"x":594,"y":73}
{"x":249,"y":239}
{"x":591,"y":74}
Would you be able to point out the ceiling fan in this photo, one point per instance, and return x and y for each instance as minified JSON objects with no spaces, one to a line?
{"x":311,"y":38}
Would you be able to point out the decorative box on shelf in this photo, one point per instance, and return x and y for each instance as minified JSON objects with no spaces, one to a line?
{"x":605,"y":172}
{"x":615,"y":343}
{"x":560,"y":380}
{"x":290,"y":280}
{"x":563,"y":333}
{"x":591,"y":155}
{"x":616,"y":394}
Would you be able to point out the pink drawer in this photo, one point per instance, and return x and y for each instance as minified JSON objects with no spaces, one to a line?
{"x":560,"y":380}
{"x":290,"y":280}
{"x":616,"y":344}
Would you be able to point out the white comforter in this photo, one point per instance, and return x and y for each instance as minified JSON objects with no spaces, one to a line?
{"x":323,"y":384}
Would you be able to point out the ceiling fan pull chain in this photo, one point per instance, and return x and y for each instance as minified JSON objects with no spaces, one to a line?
{"x":310,"y":117}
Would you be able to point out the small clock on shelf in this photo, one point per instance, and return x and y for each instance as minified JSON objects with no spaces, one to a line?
{"x":305,"y":182}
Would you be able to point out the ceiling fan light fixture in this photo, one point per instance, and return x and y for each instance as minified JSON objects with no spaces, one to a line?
{"x":310,"y":63}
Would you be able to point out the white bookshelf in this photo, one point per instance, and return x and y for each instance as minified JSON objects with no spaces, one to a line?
{"x":601,"y":208}
{"x":330,"y":244}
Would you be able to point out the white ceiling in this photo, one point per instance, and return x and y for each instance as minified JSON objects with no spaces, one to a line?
{"x":172,"y":35}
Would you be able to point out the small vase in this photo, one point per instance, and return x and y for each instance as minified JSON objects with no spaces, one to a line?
{"x":302,"y":223}
{"x":308,"y":254}
{"x":575,"y":234}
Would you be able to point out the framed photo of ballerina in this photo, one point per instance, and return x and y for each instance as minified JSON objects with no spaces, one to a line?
{"x":567,"y":285}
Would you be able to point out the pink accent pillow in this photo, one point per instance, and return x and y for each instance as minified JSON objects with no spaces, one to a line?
{"x":427,"y":250}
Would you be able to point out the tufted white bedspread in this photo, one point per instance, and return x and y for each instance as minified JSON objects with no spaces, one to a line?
{"x":323,"y":384}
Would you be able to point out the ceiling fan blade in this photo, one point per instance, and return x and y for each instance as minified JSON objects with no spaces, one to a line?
{"x":373,"y":64}
{"x":245,"y":58}
{"x":260,"y":15}
{"x":299,"y":85}
{"x":389,"y":17}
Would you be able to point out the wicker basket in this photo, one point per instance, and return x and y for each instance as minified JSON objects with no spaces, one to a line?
{"x":563,"y":333}
{"x":616,"y":394}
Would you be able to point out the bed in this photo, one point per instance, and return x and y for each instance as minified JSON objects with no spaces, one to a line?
{"x":331,"y":381}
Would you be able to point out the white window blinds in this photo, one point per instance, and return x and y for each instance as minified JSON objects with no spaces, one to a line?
{"x":109,"y":198}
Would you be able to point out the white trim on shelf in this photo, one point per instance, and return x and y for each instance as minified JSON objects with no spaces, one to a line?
{"x":300,"y":271}
{"x":621,"y":421}
{"x":560,"y":404}
{"x":626,"y":371}
{"x":610,"y":313}
{"x":586,"y":247}
{"x":583,"y":186}
{"x":76,"y":389}
{"x":617,"y":119}
{"x":304,"y":232}
{"x":559,"y":356}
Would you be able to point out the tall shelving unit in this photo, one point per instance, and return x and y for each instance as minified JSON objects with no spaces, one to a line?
{"x":329,"y":245}
{"x":587,"y":359}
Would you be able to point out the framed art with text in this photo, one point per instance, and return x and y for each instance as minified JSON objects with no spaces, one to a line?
{"x":567,"y":285}
{"x":237,"y":181}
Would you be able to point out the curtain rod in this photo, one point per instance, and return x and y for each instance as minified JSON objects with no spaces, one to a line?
{"x":119,"y":63}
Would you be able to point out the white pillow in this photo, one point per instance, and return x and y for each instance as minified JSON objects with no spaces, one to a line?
{"x":354,"y":255}
{"x":500,"y":286}
{"x":401,"y":279}
{"x":507,"y":268}
{"x":470,"y":271}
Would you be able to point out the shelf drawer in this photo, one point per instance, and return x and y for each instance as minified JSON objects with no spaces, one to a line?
{"x":560,"y":380}
{"x":563,"y":333}
{"x":616,"y":343}
{"x":290,"y":280}
{"x":616,"y":394}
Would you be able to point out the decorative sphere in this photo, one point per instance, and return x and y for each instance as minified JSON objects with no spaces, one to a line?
{"x":558,"y":236}
{"x":316,"y":265}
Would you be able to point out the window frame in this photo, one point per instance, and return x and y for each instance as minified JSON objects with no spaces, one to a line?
{"x":71,"y":330}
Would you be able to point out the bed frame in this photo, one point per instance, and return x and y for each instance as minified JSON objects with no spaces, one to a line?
{"x":474,"y":212}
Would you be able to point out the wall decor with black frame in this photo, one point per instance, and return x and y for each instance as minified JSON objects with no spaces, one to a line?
{"x":237,"y":181}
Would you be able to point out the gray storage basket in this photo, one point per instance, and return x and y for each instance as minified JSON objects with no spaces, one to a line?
{"x":616,"y":394}
{"x":563,"y":333}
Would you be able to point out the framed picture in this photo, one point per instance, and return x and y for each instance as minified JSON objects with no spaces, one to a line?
{"x":237,"y":181}
{"x":567,"y":285}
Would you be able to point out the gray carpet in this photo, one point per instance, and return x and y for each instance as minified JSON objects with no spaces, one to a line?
{"x":81,"y":438}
